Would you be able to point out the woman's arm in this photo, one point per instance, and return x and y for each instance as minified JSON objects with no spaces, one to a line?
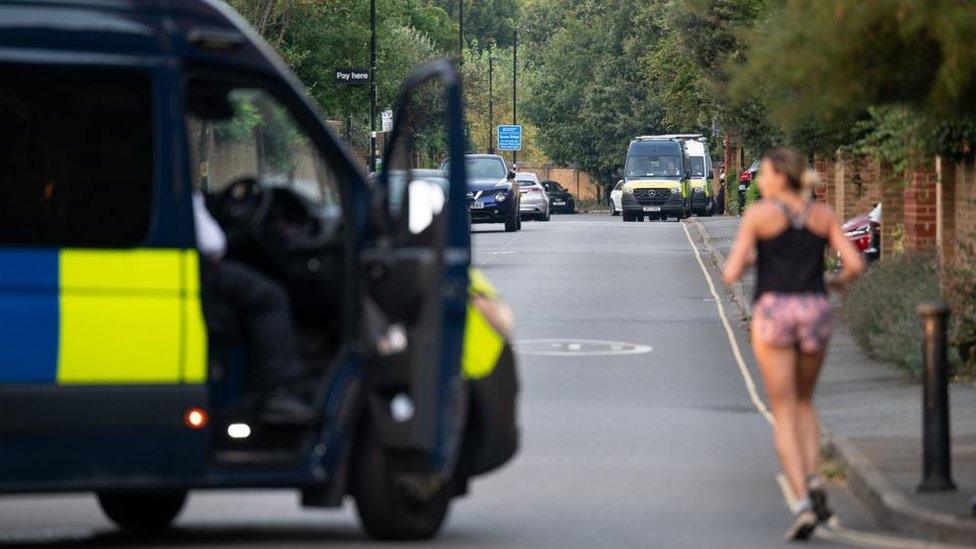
{"x":851,"y":259}
{"x":742,"y":250}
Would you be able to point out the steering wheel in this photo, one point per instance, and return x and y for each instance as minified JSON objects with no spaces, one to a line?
{"x":242,"y":207}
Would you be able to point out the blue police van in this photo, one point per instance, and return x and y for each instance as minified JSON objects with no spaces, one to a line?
{"x":119,"y":376}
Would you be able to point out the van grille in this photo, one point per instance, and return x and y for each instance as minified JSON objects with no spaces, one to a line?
{"x":652,"y":196}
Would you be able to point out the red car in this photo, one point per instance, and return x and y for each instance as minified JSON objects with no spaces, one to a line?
{"x":864,"y":231}
{"x":749,"y":174}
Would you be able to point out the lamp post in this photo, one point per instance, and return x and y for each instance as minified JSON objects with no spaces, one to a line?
{"x":372,"y":86}
{"x":514,"y":85}
{"x":460,"y":32}
{"x":491,"y":105}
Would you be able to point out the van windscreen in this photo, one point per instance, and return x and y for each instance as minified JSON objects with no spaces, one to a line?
{"x":648,"y":165}
{"x":697,"y":166}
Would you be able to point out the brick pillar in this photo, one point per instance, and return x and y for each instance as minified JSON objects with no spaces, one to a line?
{"x":965,"y":200}
{"x":824,"y":166}
{"x":857,"y":187}
{"x":892,"y":211}
{"x":945,"y":208}
{"x":920,"y":205}
{"x":733,"y":153}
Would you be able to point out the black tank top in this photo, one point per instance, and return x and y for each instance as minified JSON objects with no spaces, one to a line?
{"x":793,"y":261}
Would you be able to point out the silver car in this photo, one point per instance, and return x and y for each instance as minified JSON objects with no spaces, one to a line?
{"x":534,"y":201}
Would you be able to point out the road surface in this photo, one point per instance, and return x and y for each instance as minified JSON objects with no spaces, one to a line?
{"x":637,"y":427}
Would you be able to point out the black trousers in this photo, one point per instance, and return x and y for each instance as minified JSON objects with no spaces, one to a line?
{"x":260,"y":306}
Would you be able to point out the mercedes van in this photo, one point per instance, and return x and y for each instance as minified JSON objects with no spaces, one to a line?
{"x":656,"y":179}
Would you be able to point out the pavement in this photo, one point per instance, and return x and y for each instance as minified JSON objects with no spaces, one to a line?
{"x":873,"y":415}
{"x":638,"y":422}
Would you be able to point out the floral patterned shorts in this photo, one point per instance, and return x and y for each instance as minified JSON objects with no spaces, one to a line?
{"x":803,"y":321}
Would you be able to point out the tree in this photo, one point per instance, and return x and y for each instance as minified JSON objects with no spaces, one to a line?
{"x":847,"y":60}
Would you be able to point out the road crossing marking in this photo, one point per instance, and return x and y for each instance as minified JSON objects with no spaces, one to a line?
{"x":834,"y":531}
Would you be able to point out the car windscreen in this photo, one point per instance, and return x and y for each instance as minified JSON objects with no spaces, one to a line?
{"x":526,"y":183}
{"x":697,"y":166}
{"x":486,"y":168}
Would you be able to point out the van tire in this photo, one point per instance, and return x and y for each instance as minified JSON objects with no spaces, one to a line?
{"x":385,"y":512}
{"x":142,"y":511}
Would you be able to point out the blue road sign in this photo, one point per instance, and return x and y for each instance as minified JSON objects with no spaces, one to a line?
{"x":510,"y":138}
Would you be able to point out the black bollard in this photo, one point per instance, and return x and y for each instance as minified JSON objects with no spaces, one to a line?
{"x":936,"y":458}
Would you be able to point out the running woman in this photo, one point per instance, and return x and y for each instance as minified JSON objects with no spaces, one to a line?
{"x":786,"y":234}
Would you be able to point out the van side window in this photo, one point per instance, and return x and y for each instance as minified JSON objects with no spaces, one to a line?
{"x":246,"y":133}
{"x":76,"y":156}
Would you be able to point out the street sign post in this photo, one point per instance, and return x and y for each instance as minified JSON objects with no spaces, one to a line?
{"x":387,"y":118}
{"x":352,"y":77}
{"x":510,"y":137}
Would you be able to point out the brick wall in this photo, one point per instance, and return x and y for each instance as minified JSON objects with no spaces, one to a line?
{"x":857,"y":185}
{"x":577,"y":182}
{"x":824,"y":166}
{"x":920,"y":197}
{"x":957,"y":204}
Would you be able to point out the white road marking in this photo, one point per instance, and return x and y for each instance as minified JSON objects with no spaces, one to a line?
{"x":736,"y":352}
{"x":578,"y":347}
{"x":497,"y":252}
{"x":833,"y":531}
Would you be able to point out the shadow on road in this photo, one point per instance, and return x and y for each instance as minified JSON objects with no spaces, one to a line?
{"x":223,"y":535}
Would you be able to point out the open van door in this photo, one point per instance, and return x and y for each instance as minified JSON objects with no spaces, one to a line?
{"x":416,"y":276}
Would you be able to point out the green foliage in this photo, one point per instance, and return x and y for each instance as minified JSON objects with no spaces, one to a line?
{"x":732,"y":193}
{"x":879,"y":308}
{"x":912,"y":59}
{"x":486,"y":22}
{"x":959,"y":288}
{"x":752,"y":193}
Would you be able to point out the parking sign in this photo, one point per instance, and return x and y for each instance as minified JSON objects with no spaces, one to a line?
{"x":510,"y":138}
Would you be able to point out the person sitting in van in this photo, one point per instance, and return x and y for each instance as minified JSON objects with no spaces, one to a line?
{"x":262,"y":308}
{"x":672,"y":168}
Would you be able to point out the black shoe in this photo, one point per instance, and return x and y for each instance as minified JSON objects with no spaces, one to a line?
{"x":284,"y":407}
{"x":803,"y":526}
{"x":818,"y":499}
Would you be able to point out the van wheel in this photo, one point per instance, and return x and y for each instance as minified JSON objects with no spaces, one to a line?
{"x":142,"y":511}
{"x":386,"y":510}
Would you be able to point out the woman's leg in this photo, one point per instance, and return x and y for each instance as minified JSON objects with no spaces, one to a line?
{"x":807,"y":423}
{"x":778,"y":368}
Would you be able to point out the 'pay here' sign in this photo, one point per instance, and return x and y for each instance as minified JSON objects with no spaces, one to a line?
{"x":352,"y":77}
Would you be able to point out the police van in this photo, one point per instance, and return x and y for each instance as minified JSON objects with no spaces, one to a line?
{"x":118,"y":373}
{"x":700,"y":168}
{"x":656,"y":180}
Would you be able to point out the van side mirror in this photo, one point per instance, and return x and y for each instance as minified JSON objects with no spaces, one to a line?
{"x":687,"y":174}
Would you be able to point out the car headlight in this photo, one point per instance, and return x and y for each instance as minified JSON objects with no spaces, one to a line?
{"x":500,"y":197}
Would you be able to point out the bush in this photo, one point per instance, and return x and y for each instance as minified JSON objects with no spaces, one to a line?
{"x":879,"y":308}
{"x":732,"y":194}
{"x":959,"y":287}
{"x":752,"y":193}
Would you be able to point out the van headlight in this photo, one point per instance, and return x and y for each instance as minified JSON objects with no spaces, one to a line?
{"x":628,"y":191}
{"x":675,"y":190}
{"x":500,"y":197}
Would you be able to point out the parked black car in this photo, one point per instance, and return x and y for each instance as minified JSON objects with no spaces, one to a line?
{"x":560,"y":200}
